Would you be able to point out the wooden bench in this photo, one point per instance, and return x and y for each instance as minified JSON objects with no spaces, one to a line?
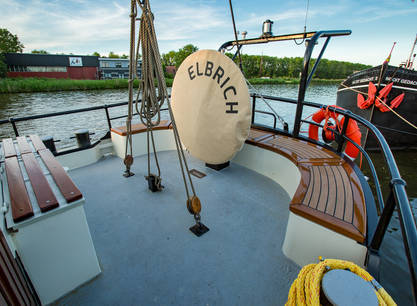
{"x":329,"y":193}
{"x":23,"y":158}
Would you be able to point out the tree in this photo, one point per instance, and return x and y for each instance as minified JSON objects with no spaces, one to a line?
{"x":168,"y":59}
{"x":39,"y":52}
{"x":9,"y":43}
{"x":183,"y":53}
{"x":124,"y":56}
{"x":96,"y":54}
{"x":3,"y":66}
{"x":113,"y":55}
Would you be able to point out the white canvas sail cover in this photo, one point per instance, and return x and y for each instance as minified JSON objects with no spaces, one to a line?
{"x":211,"y":106}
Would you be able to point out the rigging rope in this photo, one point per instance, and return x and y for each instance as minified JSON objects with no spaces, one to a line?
{"x":152,"y":99}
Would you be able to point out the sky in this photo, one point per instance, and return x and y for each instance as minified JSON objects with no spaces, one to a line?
{"x":83,"y":26}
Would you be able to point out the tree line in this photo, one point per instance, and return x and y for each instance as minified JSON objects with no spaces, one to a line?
{"x":256,"y":66}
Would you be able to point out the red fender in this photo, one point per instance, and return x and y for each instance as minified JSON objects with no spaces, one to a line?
{"x":352,"y":130}
{"x":383,"y":93}
{"x":361,"y":101}
{"x":364,"y":104}
{"x":397,"y":101}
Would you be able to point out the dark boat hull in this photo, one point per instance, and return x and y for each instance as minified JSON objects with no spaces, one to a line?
{"x":398,"y":133}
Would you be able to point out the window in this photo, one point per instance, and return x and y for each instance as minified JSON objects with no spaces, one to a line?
{"x":46,"y":69}
{"x":104,"y":64}
{"x":118,"y":64}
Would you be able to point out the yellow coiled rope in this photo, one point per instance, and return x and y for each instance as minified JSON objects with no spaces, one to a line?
{"x":305,"y":290}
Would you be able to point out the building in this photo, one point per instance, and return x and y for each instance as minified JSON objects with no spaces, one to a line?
{"x":116,"y":68}
{"x":52,"y":66}
{"x":171,"y":70}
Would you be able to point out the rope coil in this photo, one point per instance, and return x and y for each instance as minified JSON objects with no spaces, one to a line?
{"x":305,"y":290}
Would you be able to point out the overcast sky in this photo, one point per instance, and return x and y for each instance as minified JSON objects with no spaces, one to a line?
{"x":82,"y":26}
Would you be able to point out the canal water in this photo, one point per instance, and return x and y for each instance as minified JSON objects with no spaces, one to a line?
{"x":62,"y":128}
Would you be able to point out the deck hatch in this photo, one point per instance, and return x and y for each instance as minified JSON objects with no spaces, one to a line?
{"x":197,"y":173}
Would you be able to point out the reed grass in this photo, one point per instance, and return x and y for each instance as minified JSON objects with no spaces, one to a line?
{"x":18,"y":85}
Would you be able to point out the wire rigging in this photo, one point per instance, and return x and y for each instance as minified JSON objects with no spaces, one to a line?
{"x":305,"y":24}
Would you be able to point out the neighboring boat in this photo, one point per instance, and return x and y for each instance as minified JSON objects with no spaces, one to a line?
{"x":397,"y":86}
{"x":281,"y":202}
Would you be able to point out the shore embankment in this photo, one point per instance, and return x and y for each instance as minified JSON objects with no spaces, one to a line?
{"x":19,"y":85}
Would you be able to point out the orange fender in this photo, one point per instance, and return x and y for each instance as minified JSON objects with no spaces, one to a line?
{"x":355,"y":135}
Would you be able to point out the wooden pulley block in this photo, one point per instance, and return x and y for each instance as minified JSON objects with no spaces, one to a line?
{"x":194,"y":205}
{"x":128,"y":161}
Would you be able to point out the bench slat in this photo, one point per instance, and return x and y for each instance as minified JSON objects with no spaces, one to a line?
{"x":8,"y":148}
{"x":324,"y":194}
{"x":348,"y":216}
{"x":43,"y":192}
{"x":67,"y":187}
{"x":19,"y":199}
{"x":24,"y":146}
{"x":37,"y":142}
{"x":332,"y":200}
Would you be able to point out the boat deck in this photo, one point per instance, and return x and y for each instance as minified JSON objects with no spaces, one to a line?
{"x":148,"y":256}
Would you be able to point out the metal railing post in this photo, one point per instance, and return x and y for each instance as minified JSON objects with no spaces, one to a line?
{"x":383,"y":222}
{"x":253,"y":109}
{"x":106,"y":109}
{"x":12,"y":121}
{"x":342,"y":139}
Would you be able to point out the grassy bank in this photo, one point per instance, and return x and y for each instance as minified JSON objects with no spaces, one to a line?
{"x":16,"y":85}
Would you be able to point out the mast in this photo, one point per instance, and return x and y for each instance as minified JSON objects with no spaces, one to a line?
{"x":408,"y":63}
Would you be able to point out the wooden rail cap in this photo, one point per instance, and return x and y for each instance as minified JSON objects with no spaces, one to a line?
{"x":140,"y":128}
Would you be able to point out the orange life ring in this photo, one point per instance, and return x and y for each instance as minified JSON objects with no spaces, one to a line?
{"x":352,"y":130}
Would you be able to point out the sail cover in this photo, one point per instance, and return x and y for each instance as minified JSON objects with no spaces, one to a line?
{"x":211,"y":106}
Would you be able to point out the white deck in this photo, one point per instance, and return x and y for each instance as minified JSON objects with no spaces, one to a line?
{"x":148,"y":256}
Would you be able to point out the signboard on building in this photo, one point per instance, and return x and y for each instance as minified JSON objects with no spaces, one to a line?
{"x":75,"y":61}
